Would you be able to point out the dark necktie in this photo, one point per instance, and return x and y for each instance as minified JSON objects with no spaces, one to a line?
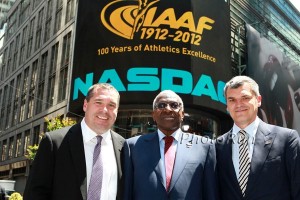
{"x":169,"y":159}
{"x":244,"y":161}
{"x":94,"y":191}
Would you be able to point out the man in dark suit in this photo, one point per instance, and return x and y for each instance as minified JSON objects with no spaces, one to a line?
{"x":2,"y":193}
{"x":63,"y":166}
{"x":267,"y":165}
{"x":181,"y":169}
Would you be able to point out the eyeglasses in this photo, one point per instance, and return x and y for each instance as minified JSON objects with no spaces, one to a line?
{"x":163,"y":105}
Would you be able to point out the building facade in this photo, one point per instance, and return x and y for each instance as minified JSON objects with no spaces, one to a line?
{"x":4,"y":8}
{"x":34,"y":77}
{"x":36,"y":66}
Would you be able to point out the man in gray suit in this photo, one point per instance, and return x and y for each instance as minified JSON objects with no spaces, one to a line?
{"x":63,"y":166}
{"x":267,"y":165}
{"x":169,"y":164}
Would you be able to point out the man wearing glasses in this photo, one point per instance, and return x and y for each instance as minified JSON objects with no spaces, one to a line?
{"x":169,"y":164}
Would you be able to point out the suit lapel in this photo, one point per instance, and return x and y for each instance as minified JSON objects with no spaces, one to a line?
{"x":227,"y":163}
{"x":231,"y":166}
{"x":262,"y":146}
{"x":77,"y":152}
{"x":152,"y":148}
{"x":118,"y":144}
{"x":181,"y":158}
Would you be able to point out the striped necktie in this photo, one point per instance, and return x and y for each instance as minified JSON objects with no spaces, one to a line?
{"x":95,"y":186}
{"x":244,"y":161}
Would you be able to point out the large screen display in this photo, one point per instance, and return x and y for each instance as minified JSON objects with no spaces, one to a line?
{"x":142,"y":47}
{"x":279,"y":80}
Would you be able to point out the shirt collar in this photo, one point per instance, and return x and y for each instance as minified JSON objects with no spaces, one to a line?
{"x":90,"y":135}
{"x":175,"y":135}
{"x":251,"y":129}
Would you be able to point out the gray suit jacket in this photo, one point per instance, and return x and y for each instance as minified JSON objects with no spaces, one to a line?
{"x":193,"y":176}
{"x":275,"y":166}
{"x":59,"y":170}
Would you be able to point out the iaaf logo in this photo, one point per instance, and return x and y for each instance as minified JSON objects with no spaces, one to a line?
{"x":128,"y":18}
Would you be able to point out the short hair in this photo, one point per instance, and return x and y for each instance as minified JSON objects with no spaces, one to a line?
{"x":238,"y":81}
{"x":167,"y":93}
{"x":104,"y":86}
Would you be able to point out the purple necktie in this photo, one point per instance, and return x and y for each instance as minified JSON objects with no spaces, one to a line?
{"x":94,"y":191}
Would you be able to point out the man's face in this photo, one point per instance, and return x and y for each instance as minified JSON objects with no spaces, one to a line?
{"x":242,"y":105}
{"x":101,"y":110}
{"x":168,"y":114}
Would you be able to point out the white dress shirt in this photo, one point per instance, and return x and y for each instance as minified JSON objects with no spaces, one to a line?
{"x":110,"y":171}
{"x":162,"y":147}
{"x":251,"y":130}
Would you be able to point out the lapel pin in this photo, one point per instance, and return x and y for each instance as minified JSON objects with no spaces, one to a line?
{"x":268,"y":142}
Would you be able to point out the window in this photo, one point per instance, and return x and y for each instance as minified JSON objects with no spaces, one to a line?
{"x":41,"y":84}
{"x":48,"y":21}
{"x":26,"y":141}
{"x":23,"y":46}
{"x":0,"y":98}
{"x":24,"y":94}
{"x":24,"y":11}
{"x":18,"y":145}
{"x":2,"y":117}
{"x":12,"y":23}
{"x":30,"y":38}
{"x":43,"y":67}
{"x":57,"y":24}
{"x":70,"y":11}
{"x":3,"y":109}
{"x":52,"y":74}
{"x":36,"y":135}
{"x":63,"y":76}
{"x":16,"y":53}
{"x":32,"y":89}
{"x":63,"y":79}
{"x":53,"y":62}
{"x":8,"y":104}
{"x":1,"y":68}
{"x":3,"y":75}
{"x":50,"y":94}
{"x":16,"y":100}
{"x":4,"y":150}
{"x":11,"y":148}
{"x":9,"y":59}
{"x":34,"y":74}
{"x":39,"y":29}
{"x":40,"y":96}
{"x":66,"y":50}
{"x":36,"y":3}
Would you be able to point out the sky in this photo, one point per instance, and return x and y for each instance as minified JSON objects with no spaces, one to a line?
{"x":296,"y":3}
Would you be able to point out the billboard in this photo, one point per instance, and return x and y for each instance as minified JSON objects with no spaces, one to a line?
{"x":142,"y":47}
{"x":279,"y":80}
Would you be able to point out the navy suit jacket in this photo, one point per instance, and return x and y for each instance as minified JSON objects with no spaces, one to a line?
{"x":193,"y":174}
{"x":275,"y":166}
{"x":59,"y":170}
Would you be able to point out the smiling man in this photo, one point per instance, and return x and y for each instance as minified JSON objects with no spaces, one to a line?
{"x":256,"y":160}
{"x":82,"y":161}
{"x":169,"y":164}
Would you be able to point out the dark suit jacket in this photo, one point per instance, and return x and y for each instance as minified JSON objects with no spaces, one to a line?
{"x":275,"y":166}
{"x":2,"y":193}
{"x":193,"y":174}
{"x":59,"y":170}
